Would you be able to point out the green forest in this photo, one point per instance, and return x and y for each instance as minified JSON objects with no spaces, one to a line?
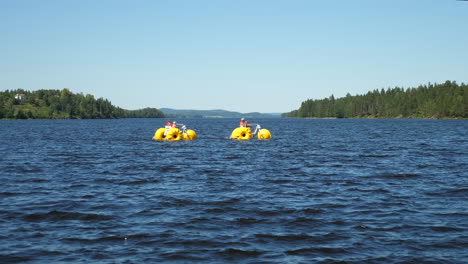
{"x":63,"y":104}
{"x":435,"y":101}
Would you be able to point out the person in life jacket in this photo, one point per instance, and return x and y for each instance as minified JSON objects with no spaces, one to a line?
{"x":174,"y":124}
{"x":243,"y":123}
{"x":168,"y":126}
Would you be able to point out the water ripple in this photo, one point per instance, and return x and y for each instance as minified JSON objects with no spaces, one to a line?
{"x":321,"y":191}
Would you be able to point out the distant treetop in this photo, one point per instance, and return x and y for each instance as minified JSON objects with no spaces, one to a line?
{"x":51,"y":104}
{"x":447,"y":100}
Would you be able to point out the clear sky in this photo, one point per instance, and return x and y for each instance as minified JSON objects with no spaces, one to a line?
{"x":238,"y":55}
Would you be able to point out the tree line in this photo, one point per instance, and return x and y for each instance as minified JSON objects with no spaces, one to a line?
{"x":447,"y":100}
{"x":63,"y":104}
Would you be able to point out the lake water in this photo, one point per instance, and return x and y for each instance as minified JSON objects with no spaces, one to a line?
{"x":321,"y":191}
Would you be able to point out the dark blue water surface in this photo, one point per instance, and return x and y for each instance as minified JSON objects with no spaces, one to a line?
{"x":321,"y":191}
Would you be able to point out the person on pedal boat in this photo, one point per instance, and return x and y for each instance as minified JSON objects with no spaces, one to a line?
{"x":168,"y":126}
{"x":243,"y":123}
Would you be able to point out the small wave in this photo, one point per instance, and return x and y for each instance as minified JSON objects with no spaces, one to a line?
{"x":233,"y":157}
{"x":10,"y":193}
{"x":325,"y":250}
{"x":239,"y":253}
{"x":392,"y":228}
{"x":281,"y":181}
{"x":21,"y":169}
{"x":462,"y":190}
{"x":14,"y":259}
{"x":104,"y":180}
{"x":176,"y":202}
{"x":447,"y":229}
{"x":136,"y":182}
{"x":457,"y":243}
{"x":167,"y":168}
{"x":95,"y":240}
{"x":368,"y":190}
{"x":182,"y":256}
{"x":311,"y":211}
{"x":338,"y":223}
{"x":454,"y":214}
{"x":147,"y":239}
{"x":400,"y":175}
{"x":304,"y":221}
{"x":249,"y":220}
{"x":423,"y":166}
{"x":39,"y":180}
{"x":80,"y":185}
{"x":59,"y":215}
{"x":31,"y":170}
{"x":139,"y":236}
{"x":29,"y":255}
{"x":224,"y":202}
{"x":284,"y":238}
{"x":216,"y":210}
{"x":376,"y":156}
{"x":333,"y":205}
{"x":452,"y":192}
{"x":107,"y":172}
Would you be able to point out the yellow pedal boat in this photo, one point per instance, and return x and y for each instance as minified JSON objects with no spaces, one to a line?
{"x":245,"y":133}
{"x":174,"y":134}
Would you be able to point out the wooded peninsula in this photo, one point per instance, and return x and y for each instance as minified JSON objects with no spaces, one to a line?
{"x":435,"y":101}
{"x":63,"y":104}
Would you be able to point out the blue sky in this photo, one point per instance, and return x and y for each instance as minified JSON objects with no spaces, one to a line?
{"x":243,"y":55}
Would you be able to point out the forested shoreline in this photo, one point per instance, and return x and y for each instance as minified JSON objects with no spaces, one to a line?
{"x":63,"y":104}
{"x":447,"y":100}
{"x":436,"y":101}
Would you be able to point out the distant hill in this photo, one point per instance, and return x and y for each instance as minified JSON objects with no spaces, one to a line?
{"x":218,"y":113}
